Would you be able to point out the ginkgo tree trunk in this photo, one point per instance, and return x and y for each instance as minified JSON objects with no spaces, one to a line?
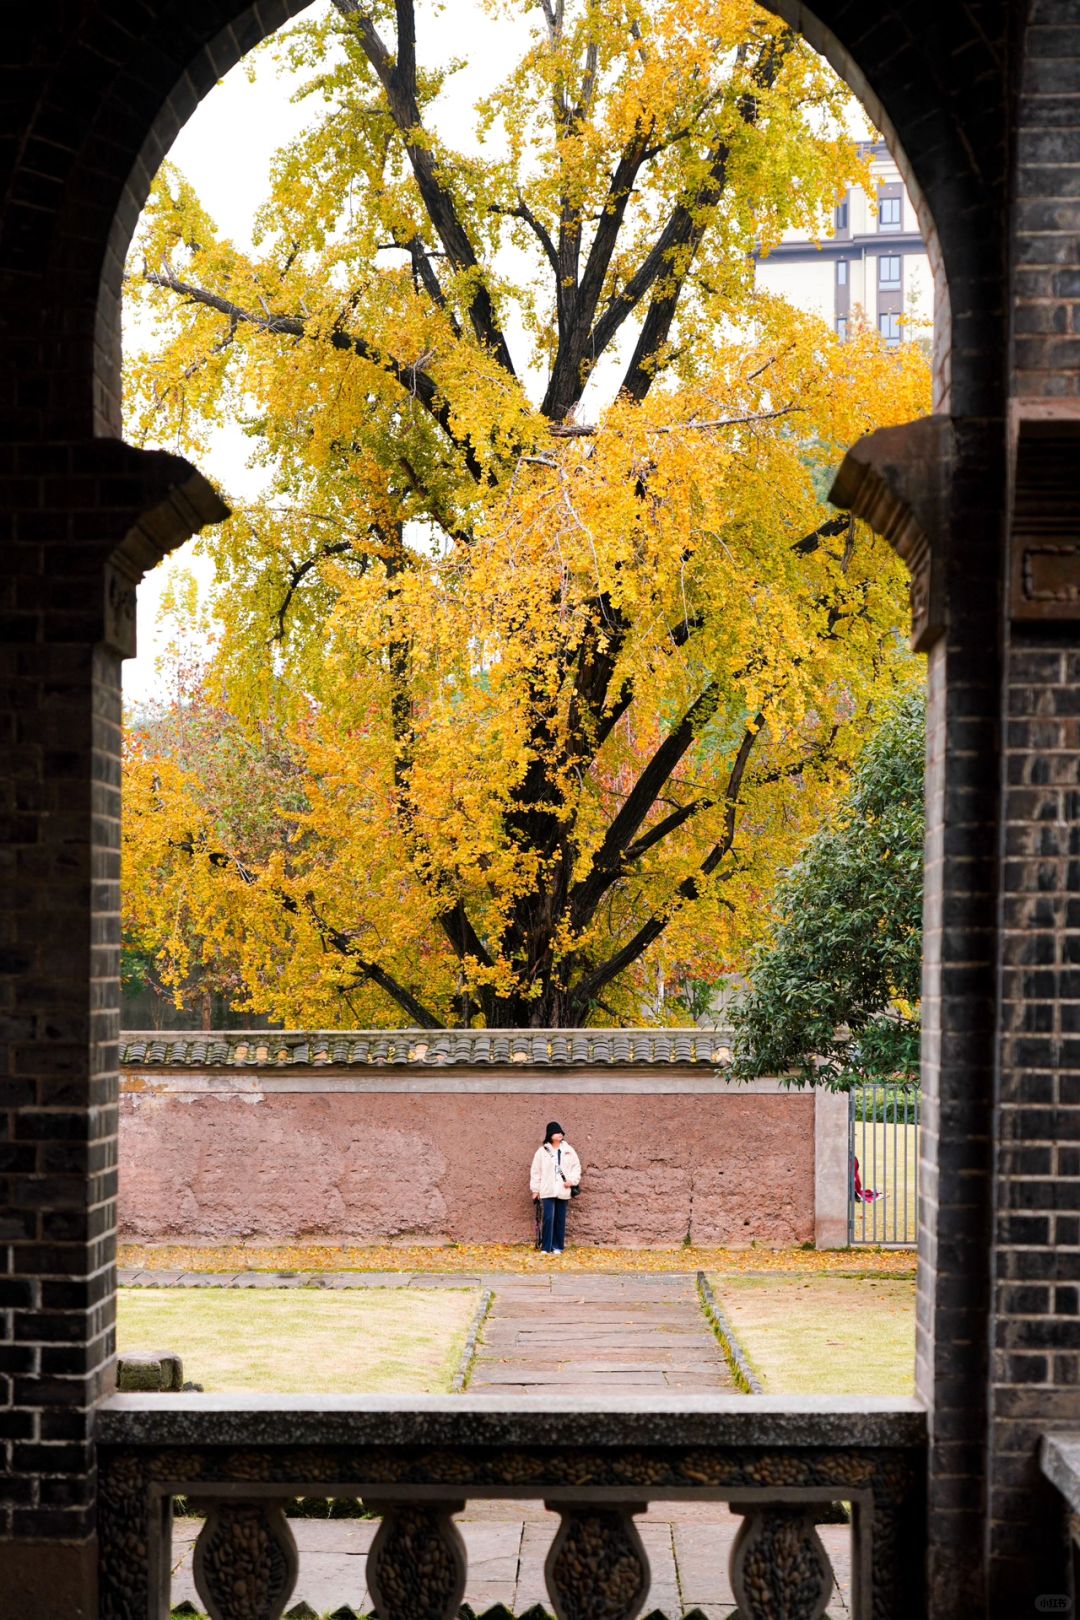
{"x":542,"y":600}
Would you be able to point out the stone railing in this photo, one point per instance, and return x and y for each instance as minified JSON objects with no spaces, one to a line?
{"x":778,"y":1463}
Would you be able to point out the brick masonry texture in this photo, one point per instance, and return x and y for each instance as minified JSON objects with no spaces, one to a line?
{"x":982,"y":105}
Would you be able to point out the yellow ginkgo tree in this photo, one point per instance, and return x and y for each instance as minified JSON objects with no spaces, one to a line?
{"x":542,"y":602}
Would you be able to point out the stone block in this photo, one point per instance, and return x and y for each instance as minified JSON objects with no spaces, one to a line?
{"x":146,"y":1372}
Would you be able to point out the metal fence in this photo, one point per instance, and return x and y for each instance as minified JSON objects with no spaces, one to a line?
{"x":883,"y":1160}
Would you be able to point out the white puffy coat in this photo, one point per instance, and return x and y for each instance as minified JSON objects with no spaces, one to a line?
{"x":544,"y":1178}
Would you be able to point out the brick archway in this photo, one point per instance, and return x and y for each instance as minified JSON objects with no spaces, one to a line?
{"x":975,"y":102}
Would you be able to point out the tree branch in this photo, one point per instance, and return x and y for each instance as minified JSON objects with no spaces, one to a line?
{"x":337,"y":941}
{"x":416,"y":382}
{"x":689,"y":889}
{"x":298,"y":572}
{"x":331,"y":937}
{"x":398,"y":80}
{"x":682,"y":235}
{"x":578,"y":353}
{"x":522,"y":211}
{"x":459,"y":930}
{"x":608,"y":861}
{"x":424,"y":271}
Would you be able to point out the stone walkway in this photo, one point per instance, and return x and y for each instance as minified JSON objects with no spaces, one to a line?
{"x":574,"y":1334}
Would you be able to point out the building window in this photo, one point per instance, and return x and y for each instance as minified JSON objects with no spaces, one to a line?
{"x":841,"y":272}
{"x":889,"y":270}
{"x":889,"y":327}
{"x":889,"y":214}
{"x":842,"y":216}
{"x":841,"y":327}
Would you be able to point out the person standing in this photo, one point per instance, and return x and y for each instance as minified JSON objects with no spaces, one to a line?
{"x":555,"y":1169}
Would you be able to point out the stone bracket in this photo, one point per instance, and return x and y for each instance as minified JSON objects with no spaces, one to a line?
{"x":1044,"y":506}
{"x":167,"y":501}
{"x":899,"y":480}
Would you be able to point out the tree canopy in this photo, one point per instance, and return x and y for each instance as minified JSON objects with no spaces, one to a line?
{"x":540,"y":601}
{"x":834,"y":991}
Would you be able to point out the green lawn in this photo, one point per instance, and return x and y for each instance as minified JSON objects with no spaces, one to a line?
{"x":824,"y":1335}
{"x":304,"y":1341}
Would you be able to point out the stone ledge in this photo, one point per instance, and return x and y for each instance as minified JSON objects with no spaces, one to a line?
{"x":1059,"y":1459}
{"x":480,"y":1420}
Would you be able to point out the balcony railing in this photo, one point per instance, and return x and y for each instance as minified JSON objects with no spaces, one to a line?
{"x":778,"y":1463}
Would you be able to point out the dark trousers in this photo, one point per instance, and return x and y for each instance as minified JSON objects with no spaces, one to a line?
{"x":553,"y":1223}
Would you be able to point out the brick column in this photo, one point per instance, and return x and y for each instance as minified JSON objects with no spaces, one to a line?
{"x":1035,"y":1323}
{"x":935,"y":489}
{"x":88,"y":520}
{"x":1036,"y":1326}
{"x":58,"y":967}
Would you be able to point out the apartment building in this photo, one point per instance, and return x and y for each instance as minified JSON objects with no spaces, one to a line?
{"x":875,"y":265}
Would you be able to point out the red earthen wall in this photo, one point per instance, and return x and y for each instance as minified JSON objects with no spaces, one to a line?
{"x":725,"y":1168}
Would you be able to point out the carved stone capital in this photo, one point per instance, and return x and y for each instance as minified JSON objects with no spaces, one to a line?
{"x":899,"y":481}
{"x":597,"y":1568}
{"x":1044,"y":540}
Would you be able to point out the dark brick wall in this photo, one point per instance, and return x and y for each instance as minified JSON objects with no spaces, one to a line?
{"x":90,"y":95}
{"x":57,"y":1091}
{"x":1046,"y":207}
{"x":1035,"y":1323}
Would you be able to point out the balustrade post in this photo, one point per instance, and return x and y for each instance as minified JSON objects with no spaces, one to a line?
{"x":597,"y":1568}
{"x":245,"y":1561}
{"x":416,"y":1565}
{"x":779,"y":1568}
{"x":135,"y":1537}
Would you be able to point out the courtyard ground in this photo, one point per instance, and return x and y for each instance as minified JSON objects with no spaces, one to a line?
{"x":610,"y":1321}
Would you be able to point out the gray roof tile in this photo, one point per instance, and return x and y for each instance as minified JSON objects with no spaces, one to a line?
{"x":478,"y":1048}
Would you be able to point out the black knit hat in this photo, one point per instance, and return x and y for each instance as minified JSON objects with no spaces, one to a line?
{"x":553,"y":1129}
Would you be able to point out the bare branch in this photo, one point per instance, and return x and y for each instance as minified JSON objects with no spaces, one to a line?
{"x":522,"y":211}
{"x":730,"y":421}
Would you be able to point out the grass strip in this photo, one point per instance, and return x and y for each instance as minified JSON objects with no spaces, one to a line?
{"x":468,"y":1352}
{"x":825,"y":1335}
{"x":744,"y":1375}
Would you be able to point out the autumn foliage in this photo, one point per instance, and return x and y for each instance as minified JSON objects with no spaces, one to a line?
{"x":542,"y":628}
